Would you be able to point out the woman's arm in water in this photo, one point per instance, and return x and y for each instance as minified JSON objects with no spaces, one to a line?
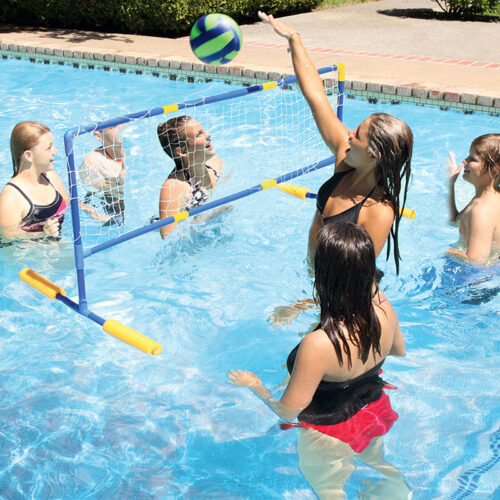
{"x":332,"y":130}
{"x":308,"y":372}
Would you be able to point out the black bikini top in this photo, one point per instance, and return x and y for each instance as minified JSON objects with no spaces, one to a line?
{"x":349,"y":215}
{"x":38,"y":215}
{"x":200,"y":196}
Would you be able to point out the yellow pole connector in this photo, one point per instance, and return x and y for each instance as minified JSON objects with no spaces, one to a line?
{"x":298,"y":191}
{"x":40,"y":283}
{"x":408,"y":213}
{"x":130,"y":336}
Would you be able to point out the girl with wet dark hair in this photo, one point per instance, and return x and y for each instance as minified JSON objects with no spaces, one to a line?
{"x":335,"y":389}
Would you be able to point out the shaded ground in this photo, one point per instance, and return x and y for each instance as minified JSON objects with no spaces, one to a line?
{"x":423,"y":13}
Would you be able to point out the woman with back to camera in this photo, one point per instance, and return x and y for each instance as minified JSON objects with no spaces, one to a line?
{"x":197,"y":167}
{"x":335,"y":389}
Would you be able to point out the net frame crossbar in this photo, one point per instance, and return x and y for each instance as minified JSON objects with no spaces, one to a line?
{"x":70,"y":135}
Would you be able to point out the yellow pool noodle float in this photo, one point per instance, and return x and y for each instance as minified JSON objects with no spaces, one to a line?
{"x":40,"y":283}
{"x":132,"y":337}
{"x":114,"y":328}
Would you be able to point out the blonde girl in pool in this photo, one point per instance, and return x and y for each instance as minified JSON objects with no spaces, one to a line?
{"x":34,"y":202}
{"x":479,"y":221}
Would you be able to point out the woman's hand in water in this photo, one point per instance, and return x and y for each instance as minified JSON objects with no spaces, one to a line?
{"x":283,"y":315}
{"x":453,"y":169}
{"x":244,"y":378}
{"x":281,"y":28}
{"x":52,"y":227}
{"x":286,"y":314}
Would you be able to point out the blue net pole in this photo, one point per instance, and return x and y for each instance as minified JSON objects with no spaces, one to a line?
{"x":75,"y":217}
{"x":208,"y":206}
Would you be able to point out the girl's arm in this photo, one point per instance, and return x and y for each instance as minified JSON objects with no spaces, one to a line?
{"x":377,"y":220}
{"x":172,"y":196}
{"x":481,"y":231}
{"x":308,"y":372}
{"x":453,"y":172}
{"x":398,"y":344}
{"x":332,"y":130}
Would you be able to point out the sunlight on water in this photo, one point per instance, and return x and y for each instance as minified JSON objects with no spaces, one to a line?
{"x":85,"y":416}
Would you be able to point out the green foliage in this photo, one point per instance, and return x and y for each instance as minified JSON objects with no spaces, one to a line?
{"x":143,"y":17}
{"x":466,"y":9}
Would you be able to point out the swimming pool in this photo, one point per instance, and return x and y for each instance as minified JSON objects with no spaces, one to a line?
{"x":86,"y":416}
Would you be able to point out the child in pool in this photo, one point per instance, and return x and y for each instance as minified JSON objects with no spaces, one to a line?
{"x":479,"y":221}
{"x":103,"y":171}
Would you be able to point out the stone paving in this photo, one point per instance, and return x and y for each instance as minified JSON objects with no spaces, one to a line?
{"x":383,"y":49}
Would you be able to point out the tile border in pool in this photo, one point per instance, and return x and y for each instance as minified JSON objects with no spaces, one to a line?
{"x":174,"y":69}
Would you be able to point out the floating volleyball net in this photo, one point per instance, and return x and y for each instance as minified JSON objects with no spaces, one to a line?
{"x":116,"y":169}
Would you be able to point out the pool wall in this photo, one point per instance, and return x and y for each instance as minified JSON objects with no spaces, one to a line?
{"x":174,"y":69}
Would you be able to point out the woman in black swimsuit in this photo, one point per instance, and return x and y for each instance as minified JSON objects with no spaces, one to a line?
{"x":335,"y":389}
{"x":373,"y":161}
{"x":33,"y":203}
{"x":197,"y":168}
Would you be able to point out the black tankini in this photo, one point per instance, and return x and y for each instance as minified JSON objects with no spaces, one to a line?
{"x":354,"y":411}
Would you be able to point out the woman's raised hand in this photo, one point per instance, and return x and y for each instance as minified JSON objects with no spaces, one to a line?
{"x":281,"y":28}
{"x":453,"y":168}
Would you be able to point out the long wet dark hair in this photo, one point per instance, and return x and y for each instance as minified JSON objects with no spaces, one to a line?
{"x":172,"y":134}
{"x":391,"y":142}
{"x":344,"y":267}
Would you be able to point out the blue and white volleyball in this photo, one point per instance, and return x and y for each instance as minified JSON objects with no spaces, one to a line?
{"x":215,"y":39}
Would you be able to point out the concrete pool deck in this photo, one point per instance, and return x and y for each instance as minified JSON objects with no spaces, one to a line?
{"x":383,"y":49}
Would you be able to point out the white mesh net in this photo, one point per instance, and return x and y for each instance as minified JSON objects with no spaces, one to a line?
{"x":122,"y":172}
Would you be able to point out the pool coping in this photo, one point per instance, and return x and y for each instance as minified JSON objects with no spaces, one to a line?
{"x":194,"y":71}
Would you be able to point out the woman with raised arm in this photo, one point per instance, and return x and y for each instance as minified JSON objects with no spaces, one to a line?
{"x":372,"y":168}
{"x":335,"y":389}
{"x":479,"y":221}
{"x":197,"y":168}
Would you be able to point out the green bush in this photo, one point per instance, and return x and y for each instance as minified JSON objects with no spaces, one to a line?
{"x":142,"y":17}
{"x":466,"y":9}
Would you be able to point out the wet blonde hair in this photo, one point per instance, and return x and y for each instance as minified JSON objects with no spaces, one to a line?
{"x":487,"y":147}
{"x":24,"y":136}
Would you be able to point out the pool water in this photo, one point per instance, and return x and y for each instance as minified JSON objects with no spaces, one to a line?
{"x":86,"y":416}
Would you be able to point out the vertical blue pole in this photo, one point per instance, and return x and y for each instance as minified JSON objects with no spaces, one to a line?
{"x":75,"y":216}
{"x":340,"y":101}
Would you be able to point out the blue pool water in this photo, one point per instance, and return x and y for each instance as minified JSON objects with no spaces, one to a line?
{"x":85,"y":416}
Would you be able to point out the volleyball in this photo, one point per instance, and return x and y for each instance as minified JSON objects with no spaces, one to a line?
{"x":215,"y":39}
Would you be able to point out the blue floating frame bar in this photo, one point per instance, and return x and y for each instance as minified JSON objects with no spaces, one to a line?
{"x":71,"y":134}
